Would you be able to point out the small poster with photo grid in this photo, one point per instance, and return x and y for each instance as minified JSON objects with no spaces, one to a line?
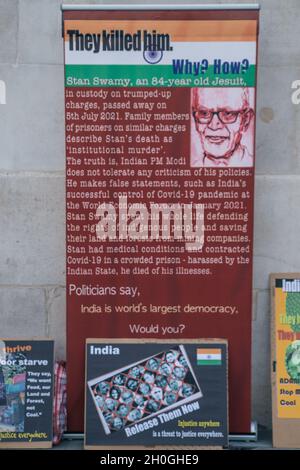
{"x":155,"y":393}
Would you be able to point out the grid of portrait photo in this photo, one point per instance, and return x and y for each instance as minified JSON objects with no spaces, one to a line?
{"x":144,"y":389}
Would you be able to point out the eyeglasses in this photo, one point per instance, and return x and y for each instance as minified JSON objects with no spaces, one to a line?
{"x":205,"y":116}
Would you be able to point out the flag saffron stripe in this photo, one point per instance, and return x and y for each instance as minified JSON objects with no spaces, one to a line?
{"x":197,"y":30}
{"x":209,"y":351}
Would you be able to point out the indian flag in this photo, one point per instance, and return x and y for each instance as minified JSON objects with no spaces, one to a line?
{"x":227,"y":42}
{"x":209,"y":357}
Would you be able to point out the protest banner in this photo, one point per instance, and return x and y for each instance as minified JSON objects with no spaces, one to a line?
{"x":26,"y":393}
{"x":144,"y":393}
{"x":160,"y":144}
{"x":285,"y":358}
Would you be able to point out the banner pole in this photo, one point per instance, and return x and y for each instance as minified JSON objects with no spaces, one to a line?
{"x":229,"y":6}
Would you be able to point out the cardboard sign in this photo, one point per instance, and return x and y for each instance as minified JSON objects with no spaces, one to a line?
{"x":160,"y":152}
{"x":285,"y":295}
{"x":142,"y":393}
{"x":26,"y":393}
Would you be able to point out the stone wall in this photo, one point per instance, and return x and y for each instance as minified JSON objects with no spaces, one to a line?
{"x":32,"y":163}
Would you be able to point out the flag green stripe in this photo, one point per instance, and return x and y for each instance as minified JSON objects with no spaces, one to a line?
{"x":151,"y":76}
{"x":209,"y":362}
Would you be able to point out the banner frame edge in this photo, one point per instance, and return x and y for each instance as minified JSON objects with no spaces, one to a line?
{"x":128,"y":7}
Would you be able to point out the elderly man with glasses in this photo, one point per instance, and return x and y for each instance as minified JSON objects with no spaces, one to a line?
{"x":221,"y":117}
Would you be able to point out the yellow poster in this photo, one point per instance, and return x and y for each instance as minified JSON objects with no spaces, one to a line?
{"x":287,"y":347}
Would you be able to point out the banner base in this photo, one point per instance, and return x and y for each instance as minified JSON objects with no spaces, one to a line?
{"x":252,"y":436}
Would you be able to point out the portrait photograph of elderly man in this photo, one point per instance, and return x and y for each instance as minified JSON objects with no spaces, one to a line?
{"x":222,"y":127}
